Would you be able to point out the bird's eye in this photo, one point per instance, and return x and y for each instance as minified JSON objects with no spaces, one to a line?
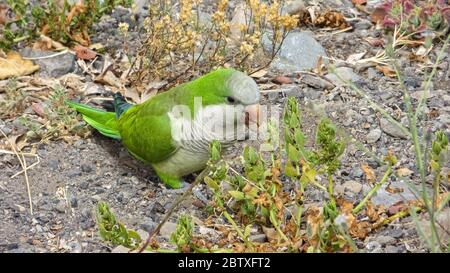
{"x":231,"y":100}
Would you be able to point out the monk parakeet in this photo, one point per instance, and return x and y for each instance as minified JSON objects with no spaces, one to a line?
{"x":172,"y":131}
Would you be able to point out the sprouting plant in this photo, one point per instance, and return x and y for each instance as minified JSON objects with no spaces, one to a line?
{"x":416,"y":17}
{"x":14,"y":99}
{"x":182,"y":236}
{"x":113,"y":231}
{"x":181,"y":42}
{"x":66,"y":23}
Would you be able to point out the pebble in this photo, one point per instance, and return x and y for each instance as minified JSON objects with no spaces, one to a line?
{"x":258,"y":238}
{"x":353,"y":186}
{"x":392,"y":249}
{"x":60,"y":206}
{"x":386,"y":240}
{"x":373,"y":136}
{"x":167,"y":229}
{"x":300,"y":51}
{"x":346,"y":73}
{"x":374,"y":247}
{"x":392,"y":129}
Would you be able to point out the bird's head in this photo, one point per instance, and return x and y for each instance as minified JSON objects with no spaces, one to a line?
{"x":229,"y":100}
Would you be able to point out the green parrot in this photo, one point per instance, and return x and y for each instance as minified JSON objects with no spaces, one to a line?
{"x":172,"y":131}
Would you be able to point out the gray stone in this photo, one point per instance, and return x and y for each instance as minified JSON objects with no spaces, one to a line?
{"x":346,"y":73}
{"x":372,"y":73}
{"x":295,"y":7}
{"x":386,"y":240}
{"x":392,"y":129}
{"x":363,"y":24}
{"x":300,"y":51}
{"x":316,"y":82}
{"x":60,"y":206}
{"x":374,"y":247}
{"x":385,"y":198}
{"x":373,"y":136}
{"x":54,"y":67}
{"x":167,"y":229}
{"x":391,"y":249}
{"x":120,"y":249}
{"x":258,"y":238}
{"x":353,"y":186}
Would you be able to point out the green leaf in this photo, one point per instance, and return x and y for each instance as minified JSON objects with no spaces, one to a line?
{"x":237,"y":195}
{"x":211,"y":183}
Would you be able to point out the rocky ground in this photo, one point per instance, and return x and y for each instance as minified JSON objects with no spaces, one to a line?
{"x":71,"y":178}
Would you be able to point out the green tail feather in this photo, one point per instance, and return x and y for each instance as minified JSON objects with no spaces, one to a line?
{"x":104,"y":122}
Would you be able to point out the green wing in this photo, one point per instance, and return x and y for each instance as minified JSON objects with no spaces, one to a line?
{"x":145,"y":128}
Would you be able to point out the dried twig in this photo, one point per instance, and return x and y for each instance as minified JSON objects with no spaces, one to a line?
{"x":23,"y":164}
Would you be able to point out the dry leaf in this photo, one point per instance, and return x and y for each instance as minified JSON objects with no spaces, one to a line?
{"x":378,"y":14}
{"x":387,"y":71}
{"x":331,"y":18}
{"x":402,"y":172}
{"x":371,"y":212}
{"x":270,"y":233}
{"x":110,"y":79}
{"x":359,"y":2}
{"x":259,"y":74}
{"x":393,"y":190}
{"x":4,"y":14}
{"x":352,"y":59}
{"x":370,"y":174}
{"x":84,"y":52}
{"x":38,"y":109}
{"x":396,"y":208}
{"x":282,"y":80}
{"x":375,"y":41}
{"x":14,"y":66}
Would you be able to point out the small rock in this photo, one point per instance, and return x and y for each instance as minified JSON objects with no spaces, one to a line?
{"x":73,"y":202}
{"x":157,"y":207}
{"x":339,"y":189}
{"x":372,"y":73}
{"x":84,"y":185}
{"x":387,"y":199}
{"x":346,"y":73}
{"x":167,"y":229}
{"x":363,"y":24}
{"x":54,"y":67}
{"x":373,"y":136}
{"x":258,"y":238}
{"x":316,"y":82}
{"x":86,"y":168}
{"x":282,"y":80}
{"x":120,"y":249}
{"x":374,"y":247}
{"x":294,"y":91}
{"x":300,"y":51}
{"x":392,"y":129}
{"x":391,"y":249}
{"x":60,"y":206}
{"x":386,"y":240}
{"x":295,"y":7}
{"x":353,"y":186}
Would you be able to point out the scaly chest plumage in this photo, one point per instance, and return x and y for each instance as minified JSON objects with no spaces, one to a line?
{"x":193,"y":137}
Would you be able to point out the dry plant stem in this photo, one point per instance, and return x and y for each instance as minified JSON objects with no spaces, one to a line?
{"x":235,"y":226}
{"x":424,"y":97}
{"x":188,"y":192}
{"x":373,"y":190}
{"x":398,"y":215}
{"x":419,"y":156}
{"x":23,"y":164}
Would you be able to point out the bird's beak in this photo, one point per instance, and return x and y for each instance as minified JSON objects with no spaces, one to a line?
{"x":252,"y":114}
